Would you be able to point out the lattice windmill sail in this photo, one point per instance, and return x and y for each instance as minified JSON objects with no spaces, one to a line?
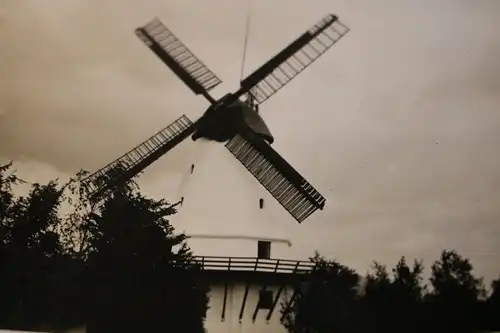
{"x":229,"y":119}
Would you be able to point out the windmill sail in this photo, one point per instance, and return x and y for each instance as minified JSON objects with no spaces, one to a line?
{"x":292,"y":60}
{"x":278,"y":177}
{"x":177,"y":57}
{"x":130,"y":164}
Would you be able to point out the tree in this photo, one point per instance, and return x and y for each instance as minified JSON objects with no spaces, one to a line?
{"x":29,"y":251}
{"x":399,"y":294}
{"x":139,"y":275}
{"x":326,"y":301}
{"x":407,"y":282}
{"x":493,"y":306}
{"x":116,"y":268}
{"x":455,"y":301}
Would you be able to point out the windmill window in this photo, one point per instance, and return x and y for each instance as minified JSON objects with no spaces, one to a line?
{"x":265,"y":299}
{"x":261,"y":203}
{"x":264,"y":250}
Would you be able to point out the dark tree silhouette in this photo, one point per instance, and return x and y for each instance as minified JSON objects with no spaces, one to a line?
{"x":394,"y":303}
{"x":455,"y":301}
{"x":30,"y":251}
{"x":326,"y":302}
{"x":118,"y":267}
{"x":139,"y":275}
{"x":397,"y":302}
{"x":493,"y":306}
{"x":407,"y":293}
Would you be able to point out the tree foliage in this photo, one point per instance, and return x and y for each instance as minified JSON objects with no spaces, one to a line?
{"x":493,"y":306}
{"x":132,"y":269}
{"x":395,"y":300}
{"x":456,"y":301}
{"x":401,"y":293}
{"x":326,"y":301}
{"x":30,"y":251}
{"x":118,"y":267}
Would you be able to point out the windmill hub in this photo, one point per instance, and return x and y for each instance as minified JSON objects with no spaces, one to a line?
{"x":221,"y":122}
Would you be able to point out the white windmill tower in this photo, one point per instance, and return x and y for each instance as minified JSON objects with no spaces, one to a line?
{"x":247,"y":280}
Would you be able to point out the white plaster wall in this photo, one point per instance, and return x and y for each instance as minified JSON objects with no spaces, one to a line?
{"x":237,"y":247}
{"x":232,"y":324}
{"x":231,"y":208}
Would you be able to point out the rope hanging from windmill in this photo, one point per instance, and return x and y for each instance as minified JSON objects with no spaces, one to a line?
{"x":199,"y":154}
{"x":228,"y":119}
{"x":249,"y":96}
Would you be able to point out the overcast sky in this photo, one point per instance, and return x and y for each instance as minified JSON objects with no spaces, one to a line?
{"x":398,"y":125}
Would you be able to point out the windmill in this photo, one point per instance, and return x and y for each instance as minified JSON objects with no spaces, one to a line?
{"x":229,"y":119}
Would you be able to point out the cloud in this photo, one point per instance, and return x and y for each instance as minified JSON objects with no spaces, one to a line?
{"x":398,"y":125}
{"x":75,"y":81}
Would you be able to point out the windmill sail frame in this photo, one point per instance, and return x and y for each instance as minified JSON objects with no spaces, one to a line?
{"x":178,"y":57}
{"x":272,"y":76}
{"x":138,"y":158}
{"x":278,"y":177}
